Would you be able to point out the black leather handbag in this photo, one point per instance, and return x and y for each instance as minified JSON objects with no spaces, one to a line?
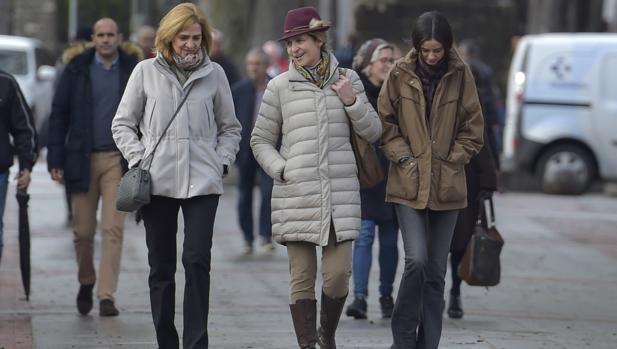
{"x":135,"y":187}
{"x":481,"y":265}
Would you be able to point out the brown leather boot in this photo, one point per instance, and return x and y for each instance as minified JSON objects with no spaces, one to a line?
{"x":304,"y":315}
{"x":331,"y":309}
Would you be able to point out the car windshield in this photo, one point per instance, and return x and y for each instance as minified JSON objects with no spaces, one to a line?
{"x":13,"y":62}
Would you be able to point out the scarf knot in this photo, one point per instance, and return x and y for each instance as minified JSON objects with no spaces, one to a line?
{"x":317,"y":75}
{"x":189,"y":62}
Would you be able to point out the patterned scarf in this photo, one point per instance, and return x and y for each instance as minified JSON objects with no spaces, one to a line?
{"x":189,"y":62}
{"x":430,"y":77}
{"x":318,"y":74}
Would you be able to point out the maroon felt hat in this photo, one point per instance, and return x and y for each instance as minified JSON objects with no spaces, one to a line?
{"x":303,"y":20}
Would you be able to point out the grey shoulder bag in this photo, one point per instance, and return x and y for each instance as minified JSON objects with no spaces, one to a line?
{"x":135,"y":187}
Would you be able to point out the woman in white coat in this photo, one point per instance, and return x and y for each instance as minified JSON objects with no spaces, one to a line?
{"x":187,"y":167}
{"x":315,"y":198}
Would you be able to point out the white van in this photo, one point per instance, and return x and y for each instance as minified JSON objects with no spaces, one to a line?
{"x":561,"y":116}
{"x":34,"y":69}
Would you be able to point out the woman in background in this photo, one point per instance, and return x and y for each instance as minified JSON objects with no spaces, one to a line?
{"x":373,"y":62}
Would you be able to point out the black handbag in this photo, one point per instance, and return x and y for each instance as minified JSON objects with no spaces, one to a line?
{"x":135,"y":187}
{"x":480,"y":265}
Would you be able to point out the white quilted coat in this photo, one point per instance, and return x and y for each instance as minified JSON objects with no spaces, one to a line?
{"x":200,"y":141}
{"x":320,"y":183}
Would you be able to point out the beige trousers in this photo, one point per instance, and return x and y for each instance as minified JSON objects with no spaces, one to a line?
{"x":105,"y":174}
{"x":335,"y":265}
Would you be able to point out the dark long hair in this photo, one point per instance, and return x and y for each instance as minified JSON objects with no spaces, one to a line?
{"x":432,"y":25}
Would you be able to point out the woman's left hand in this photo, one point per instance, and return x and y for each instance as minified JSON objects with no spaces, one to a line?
{"x":343,"y":89}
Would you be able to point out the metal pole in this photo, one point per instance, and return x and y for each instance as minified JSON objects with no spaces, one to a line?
{"x":345,"y":22}
{"x":609,"y":13}
{"x":72,"y":19}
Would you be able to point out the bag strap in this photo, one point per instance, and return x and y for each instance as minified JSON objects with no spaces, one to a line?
{"x":483,"y":215}
{"x":492,"y":208}
{"x":167,"y":127}
{"x":481,"y":219}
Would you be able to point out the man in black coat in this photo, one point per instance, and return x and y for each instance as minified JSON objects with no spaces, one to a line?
{"x":217,"y":55}
{"x":247,"y":95}
{"x":16,"y":122}
{"x":83,"y":155}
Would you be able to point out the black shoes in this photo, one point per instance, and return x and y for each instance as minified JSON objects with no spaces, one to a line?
{"x":387,"y":306}
{"x":107,"y":308}
{"x":84,"y":299}
{"x":84,"y":303}
{"x":455,"y":307}
{"x":357,"y":309}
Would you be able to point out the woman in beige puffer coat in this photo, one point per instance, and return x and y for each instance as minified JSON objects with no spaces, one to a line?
{"x":315,"y":198}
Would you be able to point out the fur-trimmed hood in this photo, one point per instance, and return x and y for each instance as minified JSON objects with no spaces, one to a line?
{"x":78,"y":48}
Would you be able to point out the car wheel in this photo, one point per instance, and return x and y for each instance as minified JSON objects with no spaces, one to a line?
{"x":566,"y":169}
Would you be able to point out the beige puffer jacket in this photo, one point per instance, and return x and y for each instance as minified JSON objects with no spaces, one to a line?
{"x":320,"y":174}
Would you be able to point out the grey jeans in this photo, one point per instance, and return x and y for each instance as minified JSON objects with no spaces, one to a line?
{"x":419,"y":305}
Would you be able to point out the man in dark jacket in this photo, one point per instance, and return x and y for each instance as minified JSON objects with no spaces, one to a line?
{"x":16,"y":122}
{"x":247,"y":95}
{"x":217,"y":55}
{"x":83,"y":155}
{"x":485,"y":83}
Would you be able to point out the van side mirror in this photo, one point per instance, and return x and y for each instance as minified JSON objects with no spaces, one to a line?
{"x":46,"y":73}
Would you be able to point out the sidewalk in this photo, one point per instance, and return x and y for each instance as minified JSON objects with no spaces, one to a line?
{"x":558,"y":284}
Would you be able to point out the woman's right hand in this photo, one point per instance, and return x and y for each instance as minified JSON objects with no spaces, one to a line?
{"x":343,"y":89}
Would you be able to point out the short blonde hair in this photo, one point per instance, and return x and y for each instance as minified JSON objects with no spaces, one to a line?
{"x":322,"y":36}
{"x":179,"y":18}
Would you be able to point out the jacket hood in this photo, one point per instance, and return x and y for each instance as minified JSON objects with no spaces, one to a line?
{"x":129,"y":48}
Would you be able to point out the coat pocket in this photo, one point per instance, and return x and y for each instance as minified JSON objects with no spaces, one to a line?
{"x":452,"y":184}
{"x":403,"y":180}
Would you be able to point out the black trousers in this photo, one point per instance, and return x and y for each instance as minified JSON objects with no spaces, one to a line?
{"x":161,"y":222}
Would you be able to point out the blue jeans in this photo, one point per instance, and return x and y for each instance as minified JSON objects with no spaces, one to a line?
{"x":418,"y":311}
{"x":248,"y":174}
{"x":363,"y":256}
{"x":4,"y":183}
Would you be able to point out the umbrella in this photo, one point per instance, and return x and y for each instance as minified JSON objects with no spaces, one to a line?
{"x":24,"y":239}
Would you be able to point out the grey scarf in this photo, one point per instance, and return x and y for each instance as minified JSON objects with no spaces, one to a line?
{"x":184,"y":66}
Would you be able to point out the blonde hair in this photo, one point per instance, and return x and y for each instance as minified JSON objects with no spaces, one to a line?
{"x":321,"y":36}
{"x":179,"y":18}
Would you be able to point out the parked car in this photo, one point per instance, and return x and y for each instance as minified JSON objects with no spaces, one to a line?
{"x":561,"y":117}
{"x":34,"y":69}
